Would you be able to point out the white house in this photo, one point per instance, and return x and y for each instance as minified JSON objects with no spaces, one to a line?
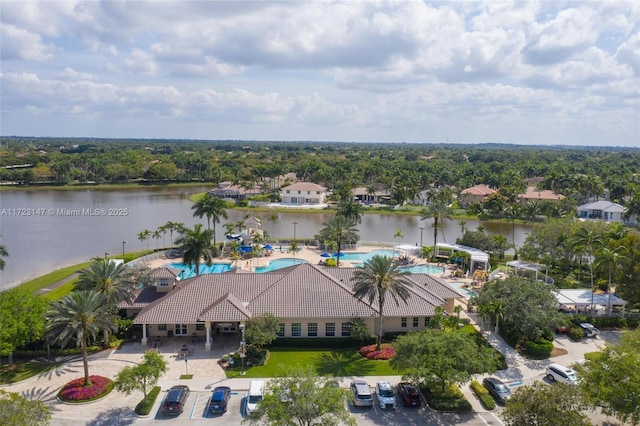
{"x":604,"y":210}
{"x":303,"y":193}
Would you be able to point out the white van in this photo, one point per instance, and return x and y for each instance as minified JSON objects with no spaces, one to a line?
{"x":560,"y":373}
{"x":254,"y":396}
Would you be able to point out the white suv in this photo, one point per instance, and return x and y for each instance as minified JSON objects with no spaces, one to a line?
{"x":560,"y":373}
{"x":386,"y":395}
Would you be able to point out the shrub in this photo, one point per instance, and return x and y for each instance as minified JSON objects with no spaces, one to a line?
{"x":539,"y":348}
{"x":144,"y":407}
{"x":451,"y":400}
{"x":483,"y":395}
{"x":384,"y":353}
{"x":575,"y":333}
{"x":75,"y":392}
{"x":256,"y":356}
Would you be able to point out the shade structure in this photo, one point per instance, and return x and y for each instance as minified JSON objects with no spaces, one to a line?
{"x":325,"y":255}
{"x":338,"y":254}
{"x":268,"y":246}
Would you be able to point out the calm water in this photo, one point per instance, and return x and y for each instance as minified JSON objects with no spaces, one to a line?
{"x":47,"y":230}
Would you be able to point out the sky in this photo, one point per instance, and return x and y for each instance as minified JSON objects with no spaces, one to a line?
{"x":541,"y":72}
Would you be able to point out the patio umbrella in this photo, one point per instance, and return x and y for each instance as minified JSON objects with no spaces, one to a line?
{"x":338,"y":254}
{"x":268,"y":247}
{"x":325,"y":255}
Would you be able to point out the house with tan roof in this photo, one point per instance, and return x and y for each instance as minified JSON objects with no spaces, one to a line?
{"x":303,"y":193}
{"x":540,"y":195}
{"x":309,"y":300}
{"x":475,"y":194}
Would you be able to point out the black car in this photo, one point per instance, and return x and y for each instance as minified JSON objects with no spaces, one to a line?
{"x":174,"y":402}
{"x":497,"y":389}
{"x":219,"y":400}
{"x":409,"y":394}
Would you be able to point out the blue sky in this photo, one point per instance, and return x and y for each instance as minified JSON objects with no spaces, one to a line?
{"x":468,"y":72}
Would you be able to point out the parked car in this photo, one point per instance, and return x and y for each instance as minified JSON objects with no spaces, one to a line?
{"x":386,"y":395}
{"x":219,"y":400}
{"x":560,"y":373}
{"x":254,"y":396}
{"x":497,"y":389}
{"x":174,"y":401}
{"x":589,"y":330}
{"x":409,"y":394}
{"x":361,"y":394}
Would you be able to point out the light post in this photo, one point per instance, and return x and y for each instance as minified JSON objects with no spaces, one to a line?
{"x":421,"y":230}
{"x":294,"y":230}
{"x":106,"y":253}
{"x":242,"y":350}
{"x":294,"y":240}
{"x":123,"y":243}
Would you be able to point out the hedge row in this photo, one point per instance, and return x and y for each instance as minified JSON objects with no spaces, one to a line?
{"x":539,"y":348}
{"x":144,"y":408}
{"x":483,"y":395}
{"x":321,"y":342}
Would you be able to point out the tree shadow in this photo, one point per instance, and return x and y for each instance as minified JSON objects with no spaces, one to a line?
{"x":342,"y":363}
{"x":115,"y":416}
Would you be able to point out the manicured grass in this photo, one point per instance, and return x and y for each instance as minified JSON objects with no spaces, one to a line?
{"x":144,"y":408}
{"x":23,"y":370}
{"x":186,"y":376}
{"x":53,"y":277}
{"x":60,"y":291}
{"x":329,"y":362}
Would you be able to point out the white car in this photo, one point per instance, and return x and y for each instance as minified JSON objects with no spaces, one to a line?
{"x":560,"y":373}
{"x":254,"y":396}
{"x":386,"y":395}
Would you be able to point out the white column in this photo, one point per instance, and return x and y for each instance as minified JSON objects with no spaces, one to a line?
{"x":207,"y":330}
{"x":144,"y":335}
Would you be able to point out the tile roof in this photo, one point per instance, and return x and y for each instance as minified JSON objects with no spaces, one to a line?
{"x":300,"y":291}
{"x":545,"y":194}
{"x":165,"y":273}
{"x":304,"y":186}
{"x":478,"y":190}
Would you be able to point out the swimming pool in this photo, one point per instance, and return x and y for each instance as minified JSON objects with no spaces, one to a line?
{"x":367,"y":256}
{"x":466,"y":292}
{"x":279,"y":264}
{"x":424,"y":269}
{"x":190,"y":271}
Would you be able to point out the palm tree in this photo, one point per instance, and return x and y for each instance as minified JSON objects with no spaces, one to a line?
{"x":350,"y":209}
{"x":339,"y":229}
{"x":195,"y":245}
{"x":590,"y":240}
{"x":173,"y":226}
{"x":609,"y":260}
{"x":79,"y":316}
{"x":3,"y":253}
{"x":113,"y":282}
{"x":495,"y":310}
{"x":376,"y":279}
{"x":438,"y":212}
{"x":211,"y":207}
{"x":144,"y":236}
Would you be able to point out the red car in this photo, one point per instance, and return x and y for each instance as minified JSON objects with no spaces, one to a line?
{"x":409,"y":394}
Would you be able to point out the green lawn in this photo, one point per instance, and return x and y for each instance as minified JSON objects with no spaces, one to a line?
{"x":23,"y":370}
{"x":324,"y":362}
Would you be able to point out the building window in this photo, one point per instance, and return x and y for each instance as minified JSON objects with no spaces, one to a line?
{"x":164,"y":282}
{"x":403,"y":322}
{"x":346,"y":329}
{"x":296,"y":327}
{"x":162,"y":327}
{"x":312,"y":329}
{"x":181,"y":329}
{"x":330,"y":329}
{"x":280,"y":332}
{"x":288,"y":192}
{"x":415,"y":321}
{"x":427,"y":321}
{"x":199,"y":326}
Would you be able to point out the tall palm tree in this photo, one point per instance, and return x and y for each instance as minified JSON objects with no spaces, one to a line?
{"x":211,"y":207}
{"x":3,"y":253}
{"x":339,"y":229}
{"x":113,"y":282}
{"x":350,"y":209}
{"x":609,"y":260}
{"x":440,"y":213}
{"x":144,"y":236}
{"x":171,"y":227}
{"x":79,"y":316}
{"x":378,"y":278}
{"x":590,"y":240}
{"x":195,"y":244}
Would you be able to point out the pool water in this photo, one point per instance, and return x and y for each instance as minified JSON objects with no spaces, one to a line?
{"x":367,"y":256}
{"x":467,"y":292}
{"x":279,"y":264}
{"x":190,"y":271}
{"x":424,"y":269}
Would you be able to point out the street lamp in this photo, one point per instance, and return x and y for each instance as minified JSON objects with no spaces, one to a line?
{"x":294,"y":240}
{"x":421,"y":230}
{"x":294,"y":230}
{"x":123,"y":243}
{"x":243,"y":345}
{"x":106,"y":253}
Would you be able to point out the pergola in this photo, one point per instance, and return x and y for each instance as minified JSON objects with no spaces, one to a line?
{"x":580,"y":300}
{"x":518,"y":264}
{"x":477,"y":256}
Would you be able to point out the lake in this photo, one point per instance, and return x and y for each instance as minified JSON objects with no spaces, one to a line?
{"x":46,"y":230}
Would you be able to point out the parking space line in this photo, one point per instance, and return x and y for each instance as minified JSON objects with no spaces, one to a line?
{"x":497,"y":418}
{"x":195,"y":404}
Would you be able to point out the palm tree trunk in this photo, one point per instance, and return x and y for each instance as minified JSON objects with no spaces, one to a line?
{"x":592,"y":289}
{"x":85,"y":360}
{"x":381,"y":304}
{"x":105,"y":337}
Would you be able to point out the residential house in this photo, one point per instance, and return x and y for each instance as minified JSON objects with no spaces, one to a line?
{"x":309,"y":300}
{"x":541,"y":195}
{"x":475,"y":194}
{"x":229,"y":191}
{"x":303,"y":193}
{"x":604,"y":210}
{"x":365,"y":196}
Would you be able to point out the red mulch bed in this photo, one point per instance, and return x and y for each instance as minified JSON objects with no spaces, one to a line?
{"x":75,"y":392}
{"x":386,"y":352}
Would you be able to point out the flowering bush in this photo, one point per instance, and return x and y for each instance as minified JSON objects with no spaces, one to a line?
{"x":75,"y":392}
{"x":385,"y":352}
